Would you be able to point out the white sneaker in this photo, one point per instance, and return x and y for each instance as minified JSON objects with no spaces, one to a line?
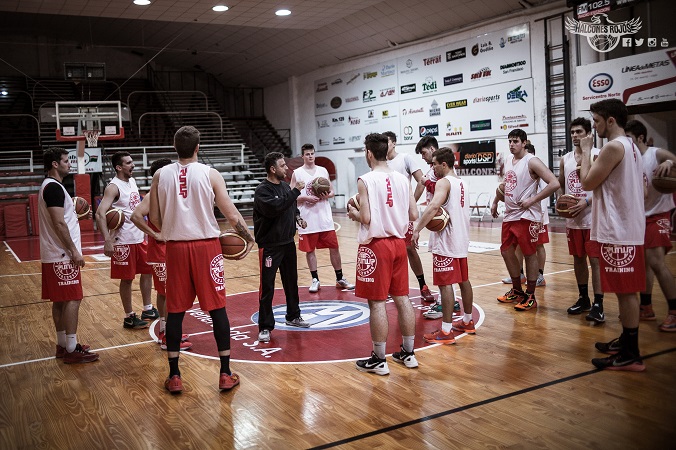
{"x":405,"y":358}
{"x":315,"y":286}
{"x":264,"y":336}
{"x":343,"y":284}
{"x":540,"y":281}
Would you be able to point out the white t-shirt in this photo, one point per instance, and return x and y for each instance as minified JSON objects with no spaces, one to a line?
{"x":127,"y":201}
{"x":453,"y":241}
{"x":656,"y":202}
{"x":389,"y":195}
{"x":317,"y":216}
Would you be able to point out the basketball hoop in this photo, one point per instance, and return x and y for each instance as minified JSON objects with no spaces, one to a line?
{"x":92,"y":137}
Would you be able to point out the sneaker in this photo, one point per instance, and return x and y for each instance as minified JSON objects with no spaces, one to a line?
{"x":647,"y":313}
{"x":582,"y":304}
{"x":669,"y":324}
{"x":298,"y":322}
{"x":315,"y":286}
{"x":439,"y":337}
{"x":508,"y":280}
{"x":426,"y":296}
{"x":609,"y":348}
{"x":459,"y":325}
{"x":61,"y":351}
{"x":527,"y":303}
{"x":373,"y":365}
{"x":456,"y":306}
{"x":184,"y":345}
{"x":174,"y":384}
{"x":343,"y":284}
{"x":80,"y":355}
{"x":405,"y":358}
{"x":134,"y":322}
{"x":434,"y":312}
{"x":620,"y":362}
{"x":161,"y":339}
{"x":150,"y":315}
{"x":227,"y":382}
{"x":264,"y":336}
{"x":540,"y":282}
{"x":512,"y":296}
{"x":596,"y":314}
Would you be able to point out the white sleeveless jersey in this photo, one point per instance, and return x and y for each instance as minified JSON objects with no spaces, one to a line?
{"x":572,"y":186}
{"x":317,"y":216}
{"x":433,"y":178}
{"x":186,"y":201}
{"x":453,"y":241}
{"x":617,"y":210}
{"x":389,"y":194}
{"x":655,"y":202}
{"x":544,"y":204}
{"x":127,"y":201}
{"x":518,"y":186}
{"x":51,"y":248}
{"x":404,"y":164}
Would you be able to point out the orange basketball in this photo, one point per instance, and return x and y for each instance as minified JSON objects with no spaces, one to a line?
{"x":564,"y":203}
{"x":320,"y":186}
{"x":114,"y":218}
{"x":354,"y":201}
{"x":439,"y":221}
{"x":666,"y":184}
{"x":232,"y":244}
{"x":500,"y":192}
{"x":81,"y":207}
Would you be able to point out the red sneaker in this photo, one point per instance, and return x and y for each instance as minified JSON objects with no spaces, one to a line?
{"x":459,"y":325}
{"x":426,"y":296}
{"x":61,"y":351}
{"x":227,"y":382}
{"x":174,"y":384}
{"x":512,"y":296}
{"x":439,"y":337}
{"x":184,"y":345}
{"x":669,"y":324}
{"x":527,"y":303}
{"x":646,"y":313}
{"x":80,"y":355}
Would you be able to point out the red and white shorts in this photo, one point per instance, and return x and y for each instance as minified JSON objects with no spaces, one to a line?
{"x":658,"y":231}
{"x":580,"y":243}
{"x":128,"y":260}
{"x":61,"y":281}
{"x":195,"y":268}
{"x":543,"y":237}
{"x":523,"y":233}
{"x":447,"y":270}
{"x":382,"y":268}
{"x":324,"y":239}
{"x":622,"y":268}
{"x":160,"y":277}
{"x":408,"y":237}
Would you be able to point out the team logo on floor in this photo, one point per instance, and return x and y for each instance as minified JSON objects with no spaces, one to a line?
{"x":324,"y":315}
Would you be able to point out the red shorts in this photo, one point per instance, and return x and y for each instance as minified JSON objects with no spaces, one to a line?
{"x":523,"y":233}
{"x":160,"y":277}
{"x":61,"y":281}
{"x":408,"y":237}
{"x":543,"y":237}
{"x":195,"y":268}
{"x":128,"y":260}
{"x":447,"y":270}
{"x":658,"y":231}
{"x":580,"y":243}
{"x":324,"y":239}
{"x":622,"y":268}
{"x":382,"y":268}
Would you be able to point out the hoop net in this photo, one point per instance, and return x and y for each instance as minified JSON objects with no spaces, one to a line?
{"x":92,"y":137}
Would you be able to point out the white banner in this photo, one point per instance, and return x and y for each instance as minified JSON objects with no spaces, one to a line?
{"x":92,"y":160}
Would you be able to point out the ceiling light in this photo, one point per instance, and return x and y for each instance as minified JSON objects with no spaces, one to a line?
{"x":220,"y":8}
{"x":3,"y":93}
{"x":283,"y":12}
{"x":142,"y":2}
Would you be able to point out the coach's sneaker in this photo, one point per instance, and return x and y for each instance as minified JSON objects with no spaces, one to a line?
{"x":264,"y":336}
{"x":373,"y":365}
{"x":439,"y":337}
{"x":669,"y":324}
{"x":134,"y":322}
{"x":174,"y":384}
{"x":343,"y":284}
{"x":227,"y":382}
{"x":405,"y":358}
{"x":80,"y":355}
{"x":508,"y":280}
{"x":150,"y":314}
{"x":461,"y":326}
{"x":315,"y":286}
{"x":596,"y":314}
{"x":434,"y":312}
{"x":620,"y":362}
{"x":582,"y":304}
{"x":609,"y":348}
{"x":540,"y":282}
{"x":512,"y":296}
{"x":527,"y":303}
{"x":61,"y":351}
{"x":646,"y":313}
{"x":298,"y":322}
{"x":426,"y":296}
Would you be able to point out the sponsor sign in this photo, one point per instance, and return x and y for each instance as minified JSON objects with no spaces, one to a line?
{"x":453,"y":79}
{"x":408,"y":88}
{"x":592,"y":7}
{"x":602,"y":34}
{"x":92,"y":160}
{"x":456,"y":104}
{"x":480,"y":125}
{"x":434,"y":109}
{"x":458,"y":53}
{"x":429,"y":130}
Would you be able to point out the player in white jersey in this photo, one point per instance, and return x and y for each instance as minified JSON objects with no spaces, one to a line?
{"x":405,"y":165}
{"x":126,"y":246}
{"x":523,"y":217}
{"x":61,"y":256}
{"x":182,"y":198}
{"x":320,"y":231}
{"x":658,"y":208}
{"x":386,"y":207}
{"x":618,"y":225}
{"x":578,"y":228}
{"x":449,"y":246}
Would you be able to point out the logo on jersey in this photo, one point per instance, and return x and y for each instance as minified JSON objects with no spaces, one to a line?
{"x":121,"y":252}
{"x":134,"y":200}
{"x":618,"y":255}
{"x":366,"y":263}
{"x":183,"y":182}
{"x":66,"y":270}
{"x":510,"y":181}
{"x":573,"y":184}
{"x":216,"y":269}
{"x":160,"y":271}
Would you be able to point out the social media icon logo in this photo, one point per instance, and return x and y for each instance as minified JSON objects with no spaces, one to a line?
{"x":639,"y":42}
{"x":626,"y":42}
{"x":664,"y":43}
{"x":652,"y":42}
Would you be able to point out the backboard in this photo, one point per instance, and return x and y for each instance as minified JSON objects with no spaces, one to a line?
{"x":92,"y":121}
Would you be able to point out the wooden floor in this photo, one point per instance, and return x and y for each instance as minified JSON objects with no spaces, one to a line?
{"x":524,"y":381}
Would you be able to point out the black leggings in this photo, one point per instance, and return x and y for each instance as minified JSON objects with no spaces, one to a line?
{"x":221,"y":326}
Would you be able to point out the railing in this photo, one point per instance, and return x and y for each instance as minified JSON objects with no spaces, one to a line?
{"x":23,"y":115}
{"x":173,"y":93}
{"x":15,"y":163}
{"x":179,"y":113}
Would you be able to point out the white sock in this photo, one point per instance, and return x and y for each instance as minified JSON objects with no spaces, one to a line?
{"x":71,"y":343}
{"x":446,"y":327}
{"x":408,"y":343}
{"x":129,"y":314}
{"x":61,"y":338}
{"x":163,"y":324}
{"x":466,"y":318}
{"x":379,"y":349}
{"x":147,"y":307}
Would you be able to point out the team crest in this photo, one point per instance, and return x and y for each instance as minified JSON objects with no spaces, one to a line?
{"x":66,"y":270}
{"x":121,"y":252}
{"x":216,"y":269}
{"x":160,"y":271}
{"x":510,"y":181}
{"x":665,"y":226}
{"x":441,"y":261}
{"x":573,"y":183}
{"x":534,"y":230}
{"x":618,"y":255}
{"x":134,"y":200}
{"x":366,"y":262}
{"x":603,"y":34}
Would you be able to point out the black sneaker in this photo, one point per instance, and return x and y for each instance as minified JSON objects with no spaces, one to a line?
{"x":405,"y":358}
{"x":373,"y":365}
{"x":620,"y":361}
{"x":582,"y":304}
{"x":596,"y":314}
{"x":609,"y":348}
{"x":150,"y":315}
{"x":134,"y":322}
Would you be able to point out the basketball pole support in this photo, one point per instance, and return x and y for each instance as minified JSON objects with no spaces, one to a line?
{"x":82,"y":183}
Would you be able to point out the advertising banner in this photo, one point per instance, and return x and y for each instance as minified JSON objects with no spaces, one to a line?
{"x":92,"y":160}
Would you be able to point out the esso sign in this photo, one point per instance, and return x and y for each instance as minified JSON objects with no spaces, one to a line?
{"x":600,"y":83}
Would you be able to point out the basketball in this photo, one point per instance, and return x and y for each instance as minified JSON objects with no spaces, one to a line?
{"x":320,"y":186}
{"x":666,"y":184}
{"x":232,"y":244}
{"x":81,"y":207}
{"x":500,"y":192}
{"x":354,"y":201}
{"x":439,"y":221}
{"x":564,"y":203}
{"x":114,"y":218}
